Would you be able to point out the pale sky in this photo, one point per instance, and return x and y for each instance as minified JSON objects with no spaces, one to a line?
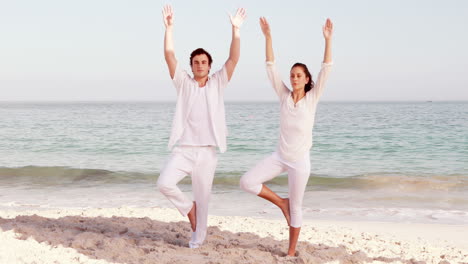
{"x":56,"y":50}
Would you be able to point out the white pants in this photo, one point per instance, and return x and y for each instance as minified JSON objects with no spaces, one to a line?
{"x":200,"y":163}
{"x":272,"y":166}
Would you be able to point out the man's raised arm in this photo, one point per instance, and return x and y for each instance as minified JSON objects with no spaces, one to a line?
{"x":169,"y":54}
{"x":234,"y":52}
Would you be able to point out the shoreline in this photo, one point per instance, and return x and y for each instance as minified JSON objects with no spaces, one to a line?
{"x":106,"y":235}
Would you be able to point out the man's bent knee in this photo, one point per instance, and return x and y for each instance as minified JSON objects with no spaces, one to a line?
{"x":165,"y":188}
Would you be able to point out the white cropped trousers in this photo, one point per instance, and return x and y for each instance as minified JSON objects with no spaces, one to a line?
{"x":272,"y":166}
{"x":200,"y":163}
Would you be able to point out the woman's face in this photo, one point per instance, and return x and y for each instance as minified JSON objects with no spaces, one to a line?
{"x":298,"y":78}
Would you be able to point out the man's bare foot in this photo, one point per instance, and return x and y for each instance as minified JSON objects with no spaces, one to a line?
{"x":285,"y":208}
{"x":192,"y":217}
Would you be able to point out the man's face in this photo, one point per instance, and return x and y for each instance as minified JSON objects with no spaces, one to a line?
{"x":200,"y":66}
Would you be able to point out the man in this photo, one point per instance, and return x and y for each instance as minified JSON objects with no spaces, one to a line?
{"x":198,"y":127}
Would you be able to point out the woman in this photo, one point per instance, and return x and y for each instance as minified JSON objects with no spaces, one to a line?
{"x":297,"y":114}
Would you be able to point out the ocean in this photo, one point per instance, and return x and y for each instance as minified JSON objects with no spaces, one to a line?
{"x":373,"y":161}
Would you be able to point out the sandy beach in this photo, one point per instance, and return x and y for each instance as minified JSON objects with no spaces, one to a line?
{"x":160,"y":235}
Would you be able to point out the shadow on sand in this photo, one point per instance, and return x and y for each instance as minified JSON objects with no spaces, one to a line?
{"x":143,"y":240}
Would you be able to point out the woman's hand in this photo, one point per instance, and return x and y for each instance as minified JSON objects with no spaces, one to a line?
{"x":328,"y":29}
{"x":265,"y":26}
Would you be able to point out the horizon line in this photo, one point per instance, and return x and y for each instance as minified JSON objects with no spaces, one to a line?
{"x":227,"y":101}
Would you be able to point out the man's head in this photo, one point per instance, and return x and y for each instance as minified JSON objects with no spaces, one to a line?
{"x":200,"y":61}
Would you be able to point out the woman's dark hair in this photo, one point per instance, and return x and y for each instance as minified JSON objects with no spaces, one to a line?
{"x":309,"y":85}
{"x":200,"y":51}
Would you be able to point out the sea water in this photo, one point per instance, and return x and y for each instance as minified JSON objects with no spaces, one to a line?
{"x":383,"y":161}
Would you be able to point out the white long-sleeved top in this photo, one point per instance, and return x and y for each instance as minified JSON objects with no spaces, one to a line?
{"x":187,"y":92}
{"x":296,"y":120}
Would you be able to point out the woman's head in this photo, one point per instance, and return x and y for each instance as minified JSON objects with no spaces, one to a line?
{"x":300,"y":77}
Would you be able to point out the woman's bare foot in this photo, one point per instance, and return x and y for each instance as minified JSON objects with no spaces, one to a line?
{"x":292,"y":252}
{"x":192,"y":217}
{"x":285,"y":208}
{"x":271,"y":196}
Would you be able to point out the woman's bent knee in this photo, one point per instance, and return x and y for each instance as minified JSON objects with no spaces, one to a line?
{"x":247,"y":185}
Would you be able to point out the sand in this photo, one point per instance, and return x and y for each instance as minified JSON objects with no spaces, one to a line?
{"x":160,"y":235}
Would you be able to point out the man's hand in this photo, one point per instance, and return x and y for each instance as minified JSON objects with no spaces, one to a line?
{"x":239,"y":18}
{"x":168,"y":16}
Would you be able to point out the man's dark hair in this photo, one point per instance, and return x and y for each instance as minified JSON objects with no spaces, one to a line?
{"x":200,"y":51}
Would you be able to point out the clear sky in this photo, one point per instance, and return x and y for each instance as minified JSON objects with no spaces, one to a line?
{"x":113,"y":49}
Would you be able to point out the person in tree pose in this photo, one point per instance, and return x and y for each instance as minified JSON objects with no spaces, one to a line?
{"x":198,"y":127}
{"x":297,"y":114}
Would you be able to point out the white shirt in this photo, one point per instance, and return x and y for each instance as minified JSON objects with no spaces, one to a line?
{"x":198,"y":130}
{"x":296,"y":121}
{"x":187,"y":89}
